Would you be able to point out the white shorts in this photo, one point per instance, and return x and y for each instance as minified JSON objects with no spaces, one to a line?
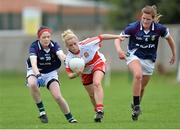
{"x":46,"y":77}
{"x":147,"y":65}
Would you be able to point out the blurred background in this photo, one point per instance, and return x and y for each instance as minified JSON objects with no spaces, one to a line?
{"x":20,"y":19}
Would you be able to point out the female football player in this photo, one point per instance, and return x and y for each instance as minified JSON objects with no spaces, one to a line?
{"x":44,"y":60}
{"x":142,"y":51}
{"x":95,"y":65}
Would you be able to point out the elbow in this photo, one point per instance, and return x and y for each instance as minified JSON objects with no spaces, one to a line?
{"x":70,"y":76}
{"x":101,"y":37}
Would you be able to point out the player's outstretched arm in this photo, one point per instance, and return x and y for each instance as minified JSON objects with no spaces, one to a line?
{"x":112,"y":36}
{"x":61,"y":55}
{"x":121,"y":53}
{"x":173,"y":49}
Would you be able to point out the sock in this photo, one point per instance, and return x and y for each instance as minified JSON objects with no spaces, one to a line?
{"x":41,"y":108}
{"x":69,"y":116}
{"x":99,"y":107}
{"x":136,"y":100}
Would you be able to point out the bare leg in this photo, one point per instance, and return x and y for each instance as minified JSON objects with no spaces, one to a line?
{"x":63,"y":105}
{"x":145,"y":81}
{"x":98,"y":90}
{"x":56,"y":93}
{"x":35,"y":92}
{"x":98,"y":94}
{"x":135,"y":68}
{"x":90,"y":91}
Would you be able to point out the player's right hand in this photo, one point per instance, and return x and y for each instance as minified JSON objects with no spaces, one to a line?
{"x":122,"y":55}
{"x":123,"y":37}
{"x":40,"y":81}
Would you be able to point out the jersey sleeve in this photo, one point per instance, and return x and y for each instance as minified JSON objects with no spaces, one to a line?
{"x":92,"y":41}
{"x":32,"y":50}
{"x":57,"y":47}
{"x":68,"y":70}
{"x":127,"y":30}
{"x":164,"y":32}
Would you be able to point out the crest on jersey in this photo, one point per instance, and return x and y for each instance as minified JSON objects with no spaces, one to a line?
{"x":86,"y":54}
{"x":146,"y":39}
{"x":153,"y":37}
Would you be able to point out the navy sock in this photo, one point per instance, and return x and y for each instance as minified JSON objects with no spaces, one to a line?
{"x":136,"y":100}
{"x":40,"y":107}
{"x":69,"y":116}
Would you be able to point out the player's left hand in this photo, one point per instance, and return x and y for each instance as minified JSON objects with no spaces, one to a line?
{"x":79,"y":71}
{"x":172,"y":60}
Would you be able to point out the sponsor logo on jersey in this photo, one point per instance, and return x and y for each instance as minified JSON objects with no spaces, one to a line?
{"x":86,"y":54}
{"x":146,"y":46}
{"x":153,"y":37}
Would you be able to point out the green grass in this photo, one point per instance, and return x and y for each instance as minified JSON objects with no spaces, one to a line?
{"x":160,"y":106}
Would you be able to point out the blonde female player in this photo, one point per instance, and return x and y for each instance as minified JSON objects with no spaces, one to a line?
{"x":142,"y":50}
{"x":95,"y":65}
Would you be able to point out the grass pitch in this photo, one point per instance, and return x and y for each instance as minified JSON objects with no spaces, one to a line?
{"x":160,"y":105}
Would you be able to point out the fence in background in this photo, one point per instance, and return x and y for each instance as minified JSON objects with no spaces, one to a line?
{"x":14,"y":50}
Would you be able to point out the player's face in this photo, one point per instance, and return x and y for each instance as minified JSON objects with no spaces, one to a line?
{"x":72,"y":45}
{"x":45,"y":39}
{"x":146,"y":20}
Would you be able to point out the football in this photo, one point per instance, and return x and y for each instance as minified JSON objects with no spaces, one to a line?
{"x":76,"y":63}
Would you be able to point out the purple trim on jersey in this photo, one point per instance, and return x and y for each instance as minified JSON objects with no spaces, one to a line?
{"x":145,"y":43}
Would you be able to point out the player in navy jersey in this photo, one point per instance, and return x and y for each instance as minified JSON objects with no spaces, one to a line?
{"x":142,"y":51}
{"x":44,"y":60}
{"x":95,"y":64}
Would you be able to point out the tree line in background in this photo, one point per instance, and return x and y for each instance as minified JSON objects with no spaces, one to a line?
{"x":124,"y":11}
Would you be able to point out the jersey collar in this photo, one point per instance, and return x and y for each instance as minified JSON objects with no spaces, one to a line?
{"x":40,"y":47}
{"x":151,"y":28}
{"x":74,"y":53}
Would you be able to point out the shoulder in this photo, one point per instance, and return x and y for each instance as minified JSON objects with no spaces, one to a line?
{"x":133,"y":24}
{"x":161,"y":30}
{"x":83,"y":41}
{"x":159,"y":26}
{"x":34,"y":44}
{"x":89,"y":41}
{"x":55,"y":44}
{"x":34,"y":47}
{"x":131,"y":28}
{"x":68,"y":57}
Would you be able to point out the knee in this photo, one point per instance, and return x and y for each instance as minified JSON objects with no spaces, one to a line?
{"x":96,"y":84}
{"x":91,"y":96}
{"x":138,"y":77}
{"x":58,"y":98}
{"x":32,"y":84}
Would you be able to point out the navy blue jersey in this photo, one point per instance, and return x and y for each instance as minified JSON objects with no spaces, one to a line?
{"x":47,"y":61}
{"x":145,"y":43}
